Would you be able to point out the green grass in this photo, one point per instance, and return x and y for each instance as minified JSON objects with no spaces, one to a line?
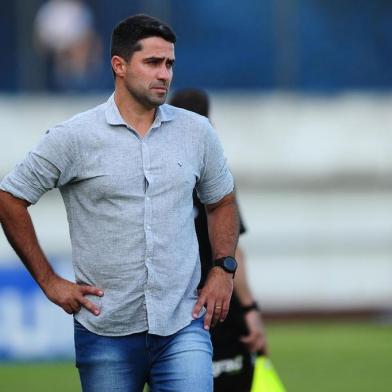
{"x":326,"y":357}
{"x":39,"y":377}
{"x":309,"y":357}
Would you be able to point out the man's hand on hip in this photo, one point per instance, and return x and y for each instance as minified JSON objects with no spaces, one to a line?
{"x":215,"y":295}
{"x":71,"y":296}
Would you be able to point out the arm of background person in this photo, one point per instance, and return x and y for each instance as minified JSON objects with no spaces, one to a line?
{"x":19,"y":230}
{"x":256,"y":339}
{"x":223,"y":228}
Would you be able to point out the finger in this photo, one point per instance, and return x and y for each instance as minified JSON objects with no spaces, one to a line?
{"x":223,"y":315}
{"x":251,"y":344}
{"x":245,"y":339}
{"x":262,"y":346}
{"x":208,"y":316}
{"x":256,"y":345}
{"x":90,"y":306}
{"x":77,"y":310}
{"x":90,"y":290}
{"x":252,"y":337}
{"x":68,"y":310}
{"x":197,"y":308}
{"x":74,"y":305}
{"x":264,"y":349}
{"x":216,"y":315}
{"x":225,"y":312}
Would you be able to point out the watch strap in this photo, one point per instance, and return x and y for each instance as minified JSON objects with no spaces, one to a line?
{"x":248,"y":308}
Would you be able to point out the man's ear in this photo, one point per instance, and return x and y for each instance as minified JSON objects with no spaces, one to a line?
{"x":119,"y":65}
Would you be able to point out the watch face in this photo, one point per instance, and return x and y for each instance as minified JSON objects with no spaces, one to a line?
{"x":230,"y":264}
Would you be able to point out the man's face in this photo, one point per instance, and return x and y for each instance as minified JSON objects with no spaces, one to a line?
{"x":149,"y":72}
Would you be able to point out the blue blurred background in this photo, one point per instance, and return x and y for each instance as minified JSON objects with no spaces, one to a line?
{"x":299,"y":45}
{"x":301,"y":96}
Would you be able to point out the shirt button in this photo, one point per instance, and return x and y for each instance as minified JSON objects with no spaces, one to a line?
{"x":148,"y":227}
{"x":147,"y":198}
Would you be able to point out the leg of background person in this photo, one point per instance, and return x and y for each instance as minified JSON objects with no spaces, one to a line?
{"x":183,"y":361}
{"x":110,"y":364}
{"x":234,"y":374}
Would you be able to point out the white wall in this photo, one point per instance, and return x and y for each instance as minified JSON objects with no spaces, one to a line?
{"x":313,"y":176}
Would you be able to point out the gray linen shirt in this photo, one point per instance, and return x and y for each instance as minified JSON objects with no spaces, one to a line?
{"x":130,"y":210}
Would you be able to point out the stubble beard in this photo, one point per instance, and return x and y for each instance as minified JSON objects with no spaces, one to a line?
{"x":149,"y":101}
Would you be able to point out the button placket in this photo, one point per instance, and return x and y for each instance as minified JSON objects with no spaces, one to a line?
{"x":147,"y":202}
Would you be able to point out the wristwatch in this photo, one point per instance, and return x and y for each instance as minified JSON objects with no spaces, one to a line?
{"x":228,"y":263}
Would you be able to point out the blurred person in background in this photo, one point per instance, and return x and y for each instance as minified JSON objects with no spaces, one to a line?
{"x":241,"y":337}
{"x":127,"y":170}
{"x":65,"y":35}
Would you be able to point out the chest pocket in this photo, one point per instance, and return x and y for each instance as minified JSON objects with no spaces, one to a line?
{"x":109,"y":177}
{"x":175,"y":173}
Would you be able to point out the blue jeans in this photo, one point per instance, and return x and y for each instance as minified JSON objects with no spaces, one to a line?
{"x":181,"y":362}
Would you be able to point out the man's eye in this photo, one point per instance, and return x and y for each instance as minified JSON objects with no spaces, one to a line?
{"x":152,"y":61}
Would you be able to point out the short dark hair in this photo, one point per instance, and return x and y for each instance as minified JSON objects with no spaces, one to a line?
{"x":127,"y":34}
{"x":192,"y":99}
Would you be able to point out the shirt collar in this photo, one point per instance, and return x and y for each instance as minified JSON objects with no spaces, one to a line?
{"x":113,"y":117}
{"x":164,"y":113}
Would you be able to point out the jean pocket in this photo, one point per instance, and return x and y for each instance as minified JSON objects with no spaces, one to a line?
{"x":79,"y":327}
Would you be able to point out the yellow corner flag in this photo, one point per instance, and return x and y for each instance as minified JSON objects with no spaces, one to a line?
{"x":265,"y":378}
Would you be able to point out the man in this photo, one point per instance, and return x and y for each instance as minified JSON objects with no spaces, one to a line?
{"x":126,"y":171}
{"x":241,"y":336}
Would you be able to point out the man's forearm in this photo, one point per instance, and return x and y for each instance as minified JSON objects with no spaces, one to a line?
{"x":19,"y":230}
{"x":223,"y":226}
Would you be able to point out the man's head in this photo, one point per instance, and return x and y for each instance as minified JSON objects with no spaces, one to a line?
{"x":142,"y":52}
{"x":192,"y":99}
{"x":127,"y":34}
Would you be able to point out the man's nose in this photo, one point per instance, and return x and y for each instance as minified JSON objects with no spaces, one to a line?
{"x":164,"y":73}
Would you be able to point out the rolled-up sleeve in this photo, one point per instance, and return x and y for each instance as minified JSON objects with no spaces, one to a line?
{"x":216,"y":180}
{"x":49,"y":165}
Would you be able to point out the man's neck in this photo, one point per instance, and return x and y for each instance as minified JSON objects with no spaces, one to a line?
{"x":134,"y":114}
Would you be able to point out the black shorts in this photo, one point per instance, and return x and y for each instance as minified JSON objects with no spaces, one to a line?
{"x":233,"y":373}
{"x":233,"y":364}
